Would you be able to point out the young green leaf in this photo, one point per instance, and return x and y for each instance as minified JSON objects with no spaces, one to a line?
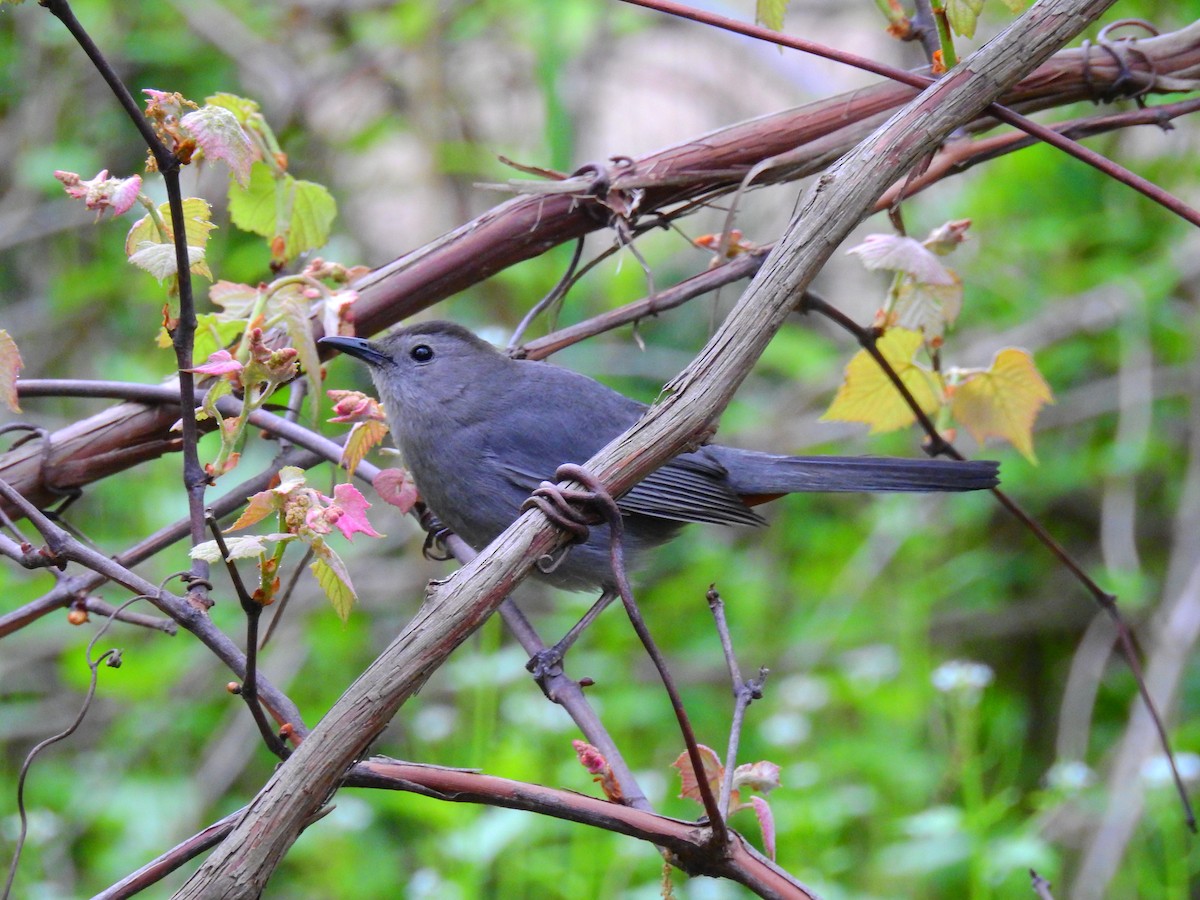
{"x":295,"y":216}
{"x":963,"y":16}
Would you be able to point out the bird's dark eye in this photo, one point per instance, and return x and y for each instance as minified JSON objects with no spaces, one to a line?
{"x":421,"y":353}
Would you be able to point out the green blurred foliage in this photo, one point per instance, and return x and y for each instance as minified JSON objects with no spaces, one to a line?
{"x":891,"y":788}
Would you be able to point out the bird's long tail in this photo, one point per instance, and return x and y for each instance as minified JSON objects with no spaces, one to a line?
{"x":756,"y":476}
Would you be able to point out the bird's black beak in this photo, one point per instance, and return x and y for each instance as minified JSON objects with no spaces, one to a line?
{"x":360,"y":348}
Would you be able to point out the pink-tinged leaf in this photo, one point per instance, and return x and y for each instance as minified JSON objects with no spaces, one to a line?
{"x":333,"y":578}
{"x":762,"y":776}
{"x":101,"y":193}
{"x":896,"y":253}
{"x":219,"y":363}
{"x":714,"y":771}
{"x":355,"y":406}
{"x":766,"y":822}
{"x":395,"y":486}
{"x":363,"y":436}
{"x":221,"y":137}
{"x":10,"y":368}
{"x":123,"y":193}
{"x":354,"y":506}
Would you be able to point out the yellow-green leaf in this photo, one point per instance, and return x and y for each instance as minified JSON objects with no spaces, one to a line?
{"x":213,"y":333}
{"x":333,"y":578}
{"x":242,"y":108}
{"x":363,"y":436}
{"x":868,"y":395}
{"x":1003,"y":401}
{"x":149,"y":248}
{"x":769,"y":13}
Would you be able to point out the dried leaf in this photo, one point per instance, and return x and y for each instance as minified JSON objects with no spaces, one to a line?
{"x":714,"y":771}
{"x":10,"y":368}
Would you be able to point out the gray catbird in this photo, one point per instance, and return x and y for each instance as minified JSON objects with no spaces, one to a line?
{"x":479,"y":431}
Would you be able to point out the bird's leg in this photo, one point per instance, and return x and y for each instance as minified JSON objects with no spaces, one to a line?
{"x":555,"y":504}
{"x":436,"y":533}
{"x":549,"y":661}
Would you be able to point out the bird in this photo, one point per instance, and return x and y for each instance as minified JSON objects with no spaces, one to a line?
{"x":479,"y":431}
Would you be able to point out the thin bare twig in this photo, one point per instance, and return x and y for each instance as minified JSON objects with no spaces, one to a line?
{"x":253,"y":613}
{"x":744,"y":693}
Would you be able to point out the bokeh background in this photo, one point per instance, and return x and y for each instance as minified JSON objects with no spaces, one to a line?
{"x":944,"y":700}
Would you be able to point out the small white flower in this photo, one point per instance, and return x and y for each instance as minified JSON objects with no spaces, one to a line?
{"x":1070,"y":775}
{"x":1156,"y":771}
{"x":962,"y":676}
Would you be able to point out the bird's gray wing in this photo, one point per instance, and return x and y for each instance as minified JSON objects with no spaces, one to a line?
{"x":693,"y":487}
